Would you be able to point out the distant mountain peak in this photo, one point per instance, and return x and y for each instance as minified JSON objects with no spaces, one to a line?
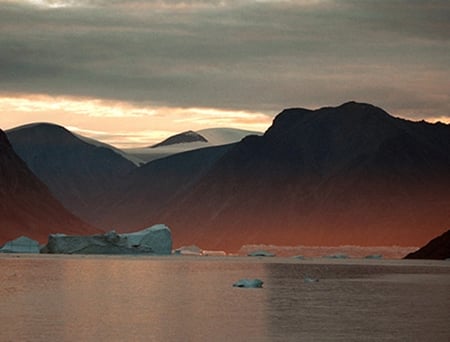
{"x":41,"y":125}
{"x":361,"y":108}
{"x":350,"y":116}
{"x":181,"y":138}
{"x":43,"y":133}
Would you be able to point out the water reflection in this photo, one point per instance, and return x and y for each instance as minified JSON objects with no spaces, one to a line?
{"x":358,"y":303}
{"x":192,"y":299}
{"x":139,"y":299}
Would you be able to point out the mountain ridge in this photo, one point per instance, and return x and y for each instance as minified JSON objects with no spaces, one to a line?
{"x":316,"y":173}
{"x":351,"y":174}
{"x":76,"y":171}
{"x":26,"y":205}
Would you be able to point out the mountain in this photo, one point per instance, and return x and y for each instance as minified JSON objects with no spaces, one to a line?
{"x":118,"y":151}
{"x":77,"y":171}
{"x":438,"y":248}
{"x":346,"y":175}
{"x":351,"y":174}
{"x":147,"y":190}
{"x":188,"y":141}
{"x":26,"y":204}
{"x":181,"y":138}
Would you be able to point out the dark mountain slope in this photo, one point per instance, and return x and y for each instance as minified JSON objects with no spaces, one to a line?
{"x":346,"y":175}
{"x":147,"y":190}
{"x":76,"y":172}
{"x":26,"y":205}
{"x":438,"y":248}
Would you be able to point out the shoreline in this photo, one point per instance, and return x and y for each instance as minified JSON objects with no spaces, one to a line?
{"x":229,"y":258}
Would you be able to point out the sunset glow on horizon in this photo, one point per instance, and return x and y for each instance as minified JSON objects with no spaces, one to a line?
{"x":119,"y":123}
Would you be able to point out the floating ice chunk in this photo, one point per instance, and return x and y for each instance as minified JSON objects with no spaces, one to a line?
{"x":307,"y":279}
{"x":157,"y":238}
{"x":249,"y":283}
{"x":22,"y":244}
{"x":261,"y":253}
{"x":189,"y":250}
{"x":213,"y":253}
{"x":374,"y":256}
{"x":337,"y":256}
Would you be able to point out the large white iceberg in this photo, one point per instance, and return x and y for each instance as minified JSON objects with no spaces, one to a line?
{"x":22,"y":244}
{"x":153,"y":240}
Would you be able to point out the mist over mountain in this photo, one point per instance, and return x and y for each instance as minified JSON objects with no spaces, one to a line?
{"x":77,"y":171}
{"x":190,"y":140}
{"x":26,"y":204}
{"x":346,"y":175}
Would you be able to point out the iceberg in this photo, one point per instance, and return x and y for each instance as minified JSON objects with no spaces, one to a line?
{"x":261,"y":253}
{"x":214,"y":253}
{"x":157,"y":238}
{"x":153,"y":240}
{"x":249,"y":283}
{"x":189,"y":250}
{"x":307,"y":279}
{"x":337,"y":256}
{"x":374,"y":256}
{"x":22,"y":244}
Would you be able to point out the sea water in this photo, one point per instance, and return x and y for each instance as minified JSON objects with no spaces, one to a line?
{"x":179,"y":298}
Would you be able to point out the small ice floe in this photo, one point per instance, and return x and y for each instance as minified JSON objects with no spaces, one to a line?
{"x":337,"y":256}
{"x":213,"y":253}
{"x":307,"y":279}
{"x":22,"y":244}
{"x":189,"y":250}
{"x":249,"y":283}
{"x":374,"y":256}
{"x":261,"y":253}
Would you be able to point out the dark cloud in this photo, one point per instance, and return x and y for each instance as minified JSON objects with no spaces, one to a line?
{"x":251,"y":55}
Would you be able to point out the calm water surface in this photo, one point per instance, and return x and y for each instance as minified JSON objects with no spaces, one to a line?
{"x":68,"y":298}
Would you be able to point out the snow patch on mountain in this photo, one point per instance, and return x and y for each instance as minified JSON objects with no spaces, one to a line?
{"x":213,"y":137}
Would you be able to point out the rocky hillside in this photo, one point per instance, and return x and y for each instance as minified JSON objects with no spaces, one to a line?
{"x":26,"y":204}
{"x":438,"y":248}
{"x":77,"y":171}
{"x":352,"y":174}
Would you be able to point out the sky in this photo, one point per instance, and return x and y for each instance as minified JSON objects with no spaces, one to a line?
{"x":131,"y":73}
